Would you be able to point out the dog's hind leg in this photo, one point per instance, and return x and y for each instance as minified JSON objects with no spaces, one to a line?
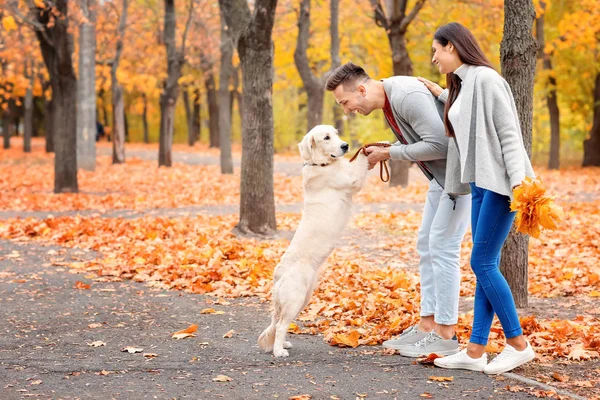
{"x":267,"y":338}
{"x":289,"y":311}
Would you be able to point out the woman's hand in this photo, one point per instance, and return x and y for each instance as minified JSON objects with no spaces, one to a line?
{"x":434,"y":88}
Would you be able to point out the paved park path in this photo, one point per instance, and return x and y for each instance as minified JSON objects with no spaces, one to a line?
{"x":47,"y":327}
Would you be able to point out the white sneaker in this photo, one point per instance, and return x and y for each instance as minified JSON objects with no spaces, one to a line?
{"x":409,"y":336}
{"x":462,"y":360}
{"x":431,"y":343}
{"x":509,"y":359}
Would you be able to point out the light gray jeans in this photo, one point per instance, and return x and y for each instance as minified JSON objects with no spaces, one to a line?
{"x":441,"y":233}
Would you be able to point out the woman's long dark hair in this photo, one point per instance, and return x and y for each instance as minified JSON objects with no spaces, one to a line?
{"x":469,"y":52}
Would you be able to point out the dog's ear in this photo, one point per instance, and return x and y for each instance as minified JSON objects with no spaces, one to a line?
{"x":306,"y":148}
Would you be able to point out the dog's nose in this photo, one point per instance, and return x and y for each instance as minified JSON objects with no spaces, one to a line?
{"x":345,"y":147}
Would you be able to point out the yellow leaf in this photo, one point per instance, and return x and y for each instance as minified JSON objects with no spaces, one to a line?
{"x":9,"y":23}
{"x":441,"y":378}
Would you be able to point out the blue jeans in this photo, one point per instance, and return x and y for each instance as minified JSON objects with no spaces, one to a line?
{"x":491,"y":220}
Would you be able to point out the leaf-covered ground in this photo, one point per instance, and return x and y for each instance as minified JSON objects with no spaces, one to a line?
{"x":369,"y":290}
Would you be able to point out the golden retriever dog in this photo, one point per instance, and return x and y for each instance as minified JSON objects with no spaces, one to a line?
{"x":329,"y":182}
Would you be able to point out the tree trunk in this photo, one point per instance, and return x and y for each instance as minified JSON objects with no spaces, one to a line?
{"x":126,"y":123}
{"x":237,"y":95}
{"x":145,"y":119}
{"x":118,"y":105}
{"x":49,"y":124}
{"x":402,"y":66}
{"x":213,"y":109}
{"x":118,"y":128}
{"x":591,"y":146}
{"x":551,"y":100}
{"x":255,"y":48}
{"x":6,"y":130}
{"x":334,"y":7}
{"x":168,"y":97}
{"x":86,"y":89}
{"x":225,"y":100}
{"x":393,"y":18}
{"x":312,"y":83}
{"x":28,"y":130}
{"x":196,"y":116}
{"x":104,"y":111}
{"x":56,"y":44}
{"x":517,"y":54}
{"x":189,"y":117}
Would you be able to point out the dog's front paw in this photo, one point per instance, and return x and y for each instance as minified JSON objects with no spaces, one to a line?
{"x":281,"y":353}
{"x":287,"y":345}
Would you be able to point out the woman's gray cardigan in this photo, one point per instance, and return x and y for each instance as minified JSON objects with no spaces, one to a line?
{"x":492,"y":154}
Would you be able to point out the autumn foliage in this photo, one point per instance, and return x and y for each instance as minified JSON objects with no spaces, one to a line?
{"x":369,"y":290}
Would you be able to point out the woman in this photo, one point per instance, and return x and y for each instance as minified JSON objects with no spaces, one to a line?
{"x":488,"y":153}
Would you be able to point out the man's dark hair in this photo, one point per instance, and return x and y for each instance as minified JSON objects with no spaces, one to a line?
{"x":346,"y":75}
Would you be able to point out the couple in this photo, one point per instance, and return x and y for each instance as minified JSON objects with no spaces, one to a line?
{"x":467,"y":141}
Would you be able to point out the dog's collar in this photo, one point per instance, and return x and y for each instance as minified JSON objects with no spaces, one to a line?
{"x":320,"y":165}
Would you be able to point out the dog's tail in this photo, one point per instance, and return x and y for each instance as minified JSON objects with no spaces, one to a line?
{"x":267,"y":338}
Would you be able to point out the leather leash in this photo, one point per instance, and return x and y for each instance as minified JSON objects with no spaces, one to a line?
{"x":382,"y":163}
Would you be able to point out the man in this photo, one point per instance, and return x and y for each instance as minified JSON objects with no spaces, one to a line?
{"x":414,"y":117}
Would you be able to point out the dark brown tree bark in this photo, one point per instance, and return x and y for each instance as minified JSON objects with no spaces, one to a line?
{"x":118,"y":104}
{"x":86,"y":88}
{"x":591,"y":146}
{"x":145,"y":118}
{"x":213,"y":109}
{"x":56,"y":44}
{"x":28,"y":117}
{"x":168,"y":97}
{"x":313,"y":84}
{"x":551,"y":100}
{"x":225,"y":99}
{"x":253,"y":32}
{"x":517,"y":55}
{"x":6,"y":130}
{"x":392,"y":16}
{"x":48,"y":121}
{"x":196,"y":116}
{"x":189,"y":117}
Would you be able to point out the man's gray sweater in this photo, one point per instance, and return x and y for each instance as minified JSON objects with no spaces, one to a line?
{"x":418,"y":114}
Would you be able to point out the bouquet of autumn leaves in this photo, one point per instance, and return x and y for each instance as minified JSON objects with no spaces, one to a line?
{"x":535,"y":210}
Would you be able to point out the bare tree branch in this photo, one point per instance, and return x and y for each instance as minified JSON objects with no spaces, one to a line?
{"x":187,"y":26}
{"x":379,"y":14}
{"x":410,"y":17}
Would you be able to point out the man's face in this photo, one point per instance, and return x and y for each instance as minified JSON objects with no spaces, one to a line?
{"x":353,"y":100}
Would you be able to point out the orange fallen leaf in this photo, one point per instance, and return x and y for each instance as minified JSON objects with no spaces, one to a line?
{"x":229,"y":334}
{"x":441,"y":378}
{"x":81,"y":285}
{"x":150,"y":355}
{"x":300,"y":397}
{"x":428,"y":360}
{"x":350,"y":339}
{"x":188,"y":332}
{"x":559,"y":377}
{"x":426,"y":395}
